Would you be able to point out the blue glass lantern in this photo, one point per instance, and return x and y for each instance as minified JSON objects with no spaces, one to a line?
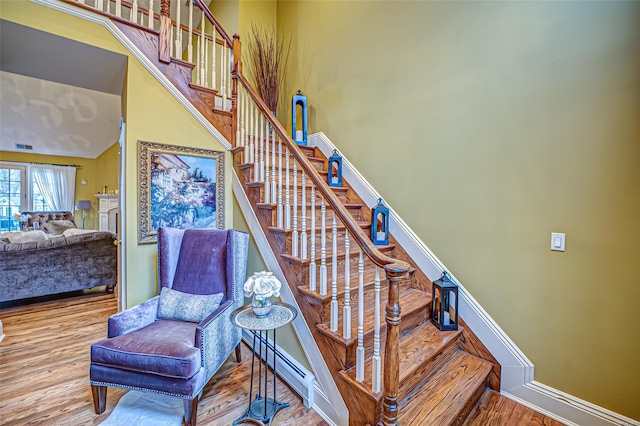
{"x":335,"y":169}
{"x":299,"y":136}
{"x":444,"y":303}
{"x":380,"y":224}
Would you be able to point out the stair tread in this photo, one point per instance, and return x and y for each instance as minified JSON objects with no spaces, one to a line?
{"x":353,"y":254}
{"x":415,"y":349}
{"x":446,"y":393}
{"x":410,"y":300}
{"x":346,"y":205}
{"x":328,"y":229}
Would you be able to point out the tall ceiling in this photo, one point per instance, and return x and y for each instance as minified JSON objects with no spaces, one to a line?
{"x":57,"y":95}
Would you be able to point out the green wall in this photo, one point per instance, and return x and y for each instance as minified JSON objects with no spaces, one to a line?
{"x":518,"y":119}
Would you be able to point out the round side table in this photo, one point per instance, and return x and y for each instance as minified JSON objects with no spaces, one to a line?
{"x":263,"y":408}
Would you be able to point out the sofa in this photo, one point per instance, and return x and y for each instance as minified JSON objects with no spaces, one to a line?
{"x":51,"y":264}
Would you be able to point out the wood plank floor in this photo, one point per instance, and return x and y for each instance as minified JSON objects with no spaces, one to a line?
{"x":496,"y":410}
{"x":44,"y":370}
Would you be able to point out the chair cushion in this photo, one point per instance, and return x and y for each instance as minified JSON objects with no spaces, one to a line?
{"x":176,"y":305}
{"x":165,"y":348}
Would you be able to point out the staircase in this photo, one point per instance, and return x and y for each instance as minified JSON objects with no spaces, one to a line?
{"x":392,"y":366}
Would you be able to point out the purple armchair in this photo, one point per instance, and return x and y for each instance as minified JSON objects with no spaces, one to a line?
{"x":173,"y":343}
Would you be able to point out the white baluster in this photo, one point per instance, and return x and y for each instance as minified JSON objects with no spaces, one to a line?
{"x":287,"y":204}
{"x":294,"y":234}
{"x":171,"y":55}
{"x":261,"y":166}
{"x":279,"y":210}
{"x":200,"y":56}
{"x":227,"y":72}
{"x":190,"y":34}
{"x":376,"y":364}
{"x":99,"y":5}
{"x":178,"y":31}
{"x":224,"y":73}
{"x":273,"y":166}
{"x":312,"y":263}
{"x":346,"y":309}
{"x":119,"y":8}
{"x":303,"y":235}
{"x":245,"y":142}
{"x":360,"y":348}
{"x":133,"y":16}
{"x":251,"y":139}
{"x":151,"y":14}
{"x":256,"y":143}
{"x":205,"y":72}
{"x":323,"y":249}
{"x":240,"y":117}
{"x":81,"y":1}
{"x":334,"y":276}
{"x":267,"y":181}
{"x":214,"y":83}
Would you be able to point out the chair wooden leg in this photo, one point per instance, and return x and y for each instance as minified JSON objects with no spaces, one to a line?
{"x":239,"y":353}
{"x":99,"y":398}
{"x":190,"y":411}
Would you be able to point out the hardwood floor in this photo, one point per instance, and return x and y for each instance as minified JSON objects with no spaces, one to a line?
{"x":495,"y":409}
{"x":44,"y":370}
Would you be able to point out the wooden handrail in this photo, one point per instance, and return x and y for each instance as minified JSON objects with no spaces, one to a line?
{"x":364,"y":242}
{"x":214,"y":21}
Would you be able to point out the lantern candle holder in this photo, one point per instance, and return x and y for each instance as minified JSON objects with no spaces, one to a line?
{"x":299,"y":136}
{"x":380,"y":224}
{"x":444,"y":303}
{"x":335,"y":170}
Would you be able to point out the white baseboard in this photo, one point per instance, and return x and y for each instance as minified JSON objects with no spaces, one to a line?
{"x":517,"y":371}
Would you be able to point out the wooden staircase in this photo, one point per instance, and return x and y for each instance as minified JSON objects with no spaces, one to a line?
{"x":435,"y":378}
{"x":442,"y":376}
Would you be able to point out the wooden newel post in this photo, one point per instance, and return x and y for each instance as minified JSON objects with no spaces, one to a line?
{"x":164,"y":43}
{"x":396,"y":273}
{"x":237,"y":68}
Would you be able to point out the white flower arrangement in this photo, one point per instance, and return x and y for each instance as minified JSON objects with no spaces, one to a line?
{"x":263,"y":284}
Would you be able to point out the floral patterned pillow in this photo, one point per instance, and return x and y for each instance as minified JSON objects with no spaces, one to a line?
{"x":57,"y":227}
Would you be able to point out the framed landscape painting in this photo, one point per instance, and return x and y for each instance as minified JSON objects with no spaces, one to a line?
{"x":180,"y":187}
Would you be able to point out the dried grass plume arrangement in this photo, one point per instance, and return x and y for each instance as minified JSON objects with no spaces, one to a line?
{"x":267,"y":60}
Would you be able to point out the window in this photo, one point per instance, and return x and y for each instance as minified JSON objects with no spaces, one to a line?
{"x":21,"y":189}
{"x":12,"y":196}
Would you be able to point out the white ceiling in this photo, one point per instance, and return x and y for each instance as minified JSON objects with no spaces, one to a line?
{"x":57,"y":95}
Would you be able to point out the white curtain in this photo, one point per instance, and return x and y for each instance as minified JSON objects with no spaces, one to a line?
{"x":57,"y":185}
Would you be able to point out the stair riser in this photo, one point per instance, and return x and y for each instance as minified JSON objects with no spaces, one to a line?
{"x":354,"y":211}
{"x":340,"y":193}
{"x":423,"y":374}
{"x":347,"y":354}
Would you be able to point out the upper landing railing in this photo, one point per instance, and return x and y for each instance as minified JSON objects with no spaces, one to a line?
{"x":324,"y":235}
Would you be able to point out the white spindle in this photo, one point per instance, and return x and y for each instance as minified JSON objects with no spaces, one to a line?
{"x":119,"y":8}
{"x":261,"y":165}
{"x":178,"y":40}
{"x":214,"y":83}
{"x":375,"y":365}
{"x":323,"y":249}
{"x":190,"y":34}
{"x":303,"y":234}
{"x":133,"y":16}
{"x":273,"y":167}
{"x":346,"y":309}
{"x":312,"y":263}
{"x":224,"y":73}
{"x":251,"y":138}
{"x":279,"y":210}
{"x":256,"y":143}
{"x":334,"y":275}
{"x":239,"y":108}
{"x":151,"y":14}
{"x":360,"y":348}
{"x":287,"y":204}
{"x":294,"y":235}
{"x":200,"y":60}
{"x":205,"y":72}
{"x":267,"y":181}
{"x":99,"y":5}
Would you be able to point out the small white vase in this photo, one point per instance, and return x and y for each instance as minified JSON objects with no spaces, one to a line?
{"x":261,"y":307}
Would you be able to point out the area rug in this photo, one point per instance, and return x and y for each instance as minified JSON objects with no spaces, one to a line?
{"x":146,"y":409}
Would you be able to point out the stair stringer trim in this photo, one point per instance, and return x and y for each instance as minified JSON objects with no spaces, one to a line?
{"x":517,"y":371}
{"x":327,"y":400}
{"x":137,"y":53}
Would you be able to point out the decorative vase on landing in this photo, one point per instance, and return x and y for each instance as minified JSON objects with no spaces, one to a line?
{"x":261,"y":307}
